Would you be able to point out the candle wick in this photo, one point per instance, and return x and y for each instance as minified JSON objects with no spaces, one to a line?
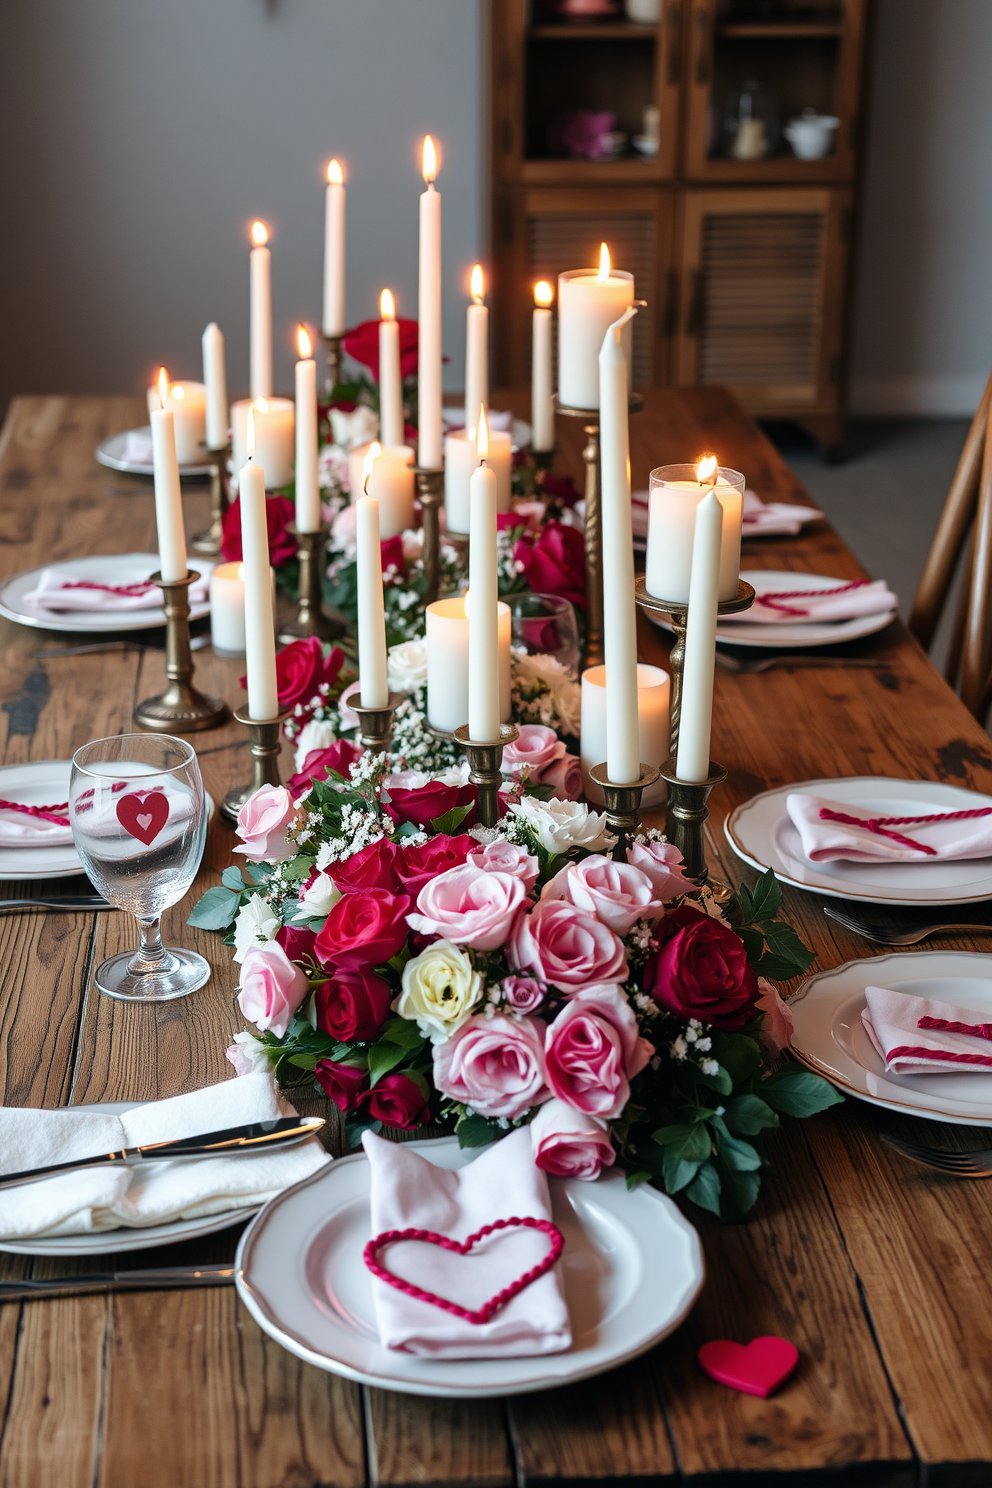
{"x":365,"y":488}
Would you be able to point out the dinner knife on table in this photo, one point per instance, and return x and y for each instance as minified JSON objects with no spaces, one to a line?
{"x":157,"y":1278}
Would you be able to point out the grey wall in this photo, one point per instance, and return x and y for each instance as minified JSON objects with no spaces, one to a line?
{"x":140,"y":137}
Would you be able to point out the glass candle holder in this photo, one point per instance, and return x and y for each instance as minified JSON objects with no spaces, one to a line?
{"x":675,"y":493}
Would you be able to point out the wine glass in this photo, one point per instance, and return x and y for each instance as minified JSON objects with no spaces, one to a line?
{"x":139,"y":823}
{"x":544,"y":625}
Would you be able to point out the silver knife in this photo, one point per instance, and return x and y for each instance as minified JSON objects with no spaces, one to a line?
{"x":155,"y":1279}
{"x":256,"y":1136}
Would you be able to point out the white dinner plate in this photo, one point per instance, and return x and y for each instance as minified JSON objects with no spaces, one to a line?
{"x":114,"y":1242}
{"x":632,"y":1269}
{"x":830,"y":1037}
{"x":788,"y":637}
{"x":104,"y":568}
{"x":111,"y":454}
{"x":761,"y":832}
{"x":519,"y":430}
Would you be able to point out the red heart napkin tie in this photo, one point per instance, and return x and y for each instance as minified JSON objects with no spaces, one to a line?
{"x":143,"y":814}
{"x":757,"y":1368}
{"x":462,"y":1247}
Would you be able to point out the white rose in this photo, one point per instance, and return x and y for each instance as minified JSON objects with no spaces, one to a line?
{"x":406,"y":666}
{"x":320,"y":898}
{"x":254,"y":925}
{"x":317,"y":734}
{"x":440,"y":990}
{"x":560,"y":825}
{"x":566,"y":698}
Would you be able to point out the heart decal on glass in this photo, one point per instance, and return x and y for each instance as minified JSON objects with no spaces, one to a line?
{"x":757,"y":1368}
{"x":462,"y":1247}
{"x":143,"y":814}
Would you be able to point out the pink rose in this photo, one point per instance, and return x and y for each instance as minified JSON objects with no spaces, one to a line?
{"x":568,"y":1143}
{"x":495,"y":1065}
{"x":776,"y":1027}
{"x":593,"y":1049}
{"x":661,"y":862}
{"x":535,"y":746}
{"x":271,"y":989}
{"x":617,"y":894}
{"x":470,"y":907}
{"x":565,"y":947}
{"x":522,"y":993}
{"x":564,"y":777}
{"x":262,"y":824}
{"x":507,"y":857}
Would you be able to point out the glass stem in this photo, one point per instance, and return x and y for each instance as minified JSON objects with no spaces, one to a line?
{"x":151,"y":953}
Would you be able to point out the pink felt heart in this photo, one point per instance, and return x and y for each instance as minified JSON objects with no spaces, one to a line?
{"x":757,"y":1368}
{"x":143,"y":814}
{"x":462,"y":1247}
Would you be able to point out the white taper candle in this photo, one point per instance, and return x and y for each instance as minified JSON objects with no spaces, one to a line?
{"x":307,"y":488}
{"x":215,"y":381}
{"x":260,"y":637}
{"x":168,"y":493}
{"x":429,"y":450}
{"x":696,"y":714}
{"x":371,"y":618}
{"x":483,"y":602}
{"x":333,"y":322}
{"x":260,"y":329}
{"x":619,"y":612}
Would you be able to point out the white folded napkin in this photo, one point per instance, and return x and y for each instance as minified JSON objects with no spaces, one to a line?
{"x":18,"y":829}
{"x":64,"y":589}
{"x":354,"y":427}
{"x":501,"y":1183}
{"x":761,"y":518}
{"x":795,"y":603}
{"x":892,"y":1021}
{"x":107,"y":1198}
{"x":954,"y":835}
{"x":138,"y":447}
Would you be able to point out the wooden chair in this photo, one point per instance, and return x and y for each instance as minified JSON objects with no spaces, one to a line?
{"x":966,"y":519}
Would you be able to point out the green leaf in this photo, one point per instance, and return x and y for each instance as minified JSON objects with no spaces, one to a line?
{"x":739,"y":1055}
{"x":216,"y":910}
{"x":233,"y":878}
{"x":764,"y":901}
{"x":754,"y":943}
{"x":259,"y":873}
{"x":798,"y":1092}
{"x":734,"y":1151}
{"x":383,"y":1057}
{"x":784,"y":942}
{"x":405,"y":830}
{"x":738,"y":1192}
{"x":402,"y":1031}
{"x":695,"y":1113}
{"x":677,"y":1171}
{"x":721,"y":1081}
{"x":635,"y":1178}
{"x":451,"y":820}
{"x":749,"y":1114}
{"x":475,"y":1131}
{"x":304,"y":1061}
{"x":355,"y":1128}
{"x":704,"y":1189}
{"x":298,"y":869}
{"x":689,"y":1142}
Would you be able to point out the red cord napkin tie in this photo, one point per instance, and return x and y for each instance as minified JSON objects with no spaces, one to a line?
{"x":774,"y":601}
{"x":128,"y":591}
{"x":880,"y":824}
{"x":46,"y":813}
{"x":945,"y":1025}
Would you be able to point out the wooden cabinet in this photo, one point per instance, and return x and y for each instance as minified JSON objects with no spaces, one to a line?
{"x":743,"y":262}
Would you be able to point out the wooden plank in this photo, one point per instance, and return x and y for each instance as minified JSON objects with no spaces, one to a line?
{"x":414,"y":1440}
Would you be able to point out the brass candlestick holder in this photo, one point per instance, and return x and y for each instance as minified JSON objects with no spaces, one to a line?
{"x":623,"y":803}
{"x":430,"y":491}
{"x":180,"y":709}
{"x":376,"y":724}
{"x":311,"y":618}
{"x":332,"y":374}
{"x":687,"y":813}
{"x":677,"y":612}
{"x":265,"y":743}
{"x":207,"y":544}
{"x":484,"y":769}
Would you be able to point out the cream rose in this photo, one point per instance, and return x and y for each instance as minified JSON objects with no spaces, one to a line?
{"x":560,"y":825}
{"x":440,"y":989}
{"x":406,"y":666}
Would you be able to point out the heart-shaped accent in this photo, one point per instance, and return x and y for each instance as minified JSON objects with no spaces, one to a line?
{"x":462,"y":1247}
{"x":757,"y":1368}
{"x":143,"y":814}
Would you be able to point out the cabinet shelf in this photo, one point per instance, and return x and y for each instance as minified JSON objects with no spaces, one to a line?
{"x":607,"y":31}
{"x":776,"y":31}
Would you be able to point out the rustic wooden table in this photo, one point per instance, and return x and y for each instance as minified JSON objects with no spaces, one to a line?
{"x":872,"y":1266}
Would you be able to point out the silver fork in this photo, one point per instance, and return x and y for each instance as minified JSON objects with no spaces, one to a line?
{"x":741,"y":667}
{"x":945,"y":1160}
{"x":884,"y":935}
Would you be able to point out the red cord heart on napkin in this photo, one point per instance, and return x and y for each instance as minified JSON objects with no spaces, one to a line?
{"x":757,"y":1368}
{"x":462,"y":1247}
{"x":143,"y":814}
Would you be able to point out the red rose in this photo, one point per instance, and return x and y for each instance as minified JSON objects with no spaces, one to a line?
{"x":398,"y":1101}
{"x":700,"y":970}
{"x":364,"y":928}
{"x":362,"y":345}
{"x":555,"y":563}
{"x":562,"y":488}
{"x":426,"y":804}
{"x":353,"y":1004}
{"x":301,"y":667}
{"x":338,"y":756}
{"x":372,"y":868}
{"x":297,"y":941}
{"x":392,"y":555}
{"x":507,"y":521}
{"x":346,"y":1085}
{"x":418,"y":865}
{"x":279,"y":512}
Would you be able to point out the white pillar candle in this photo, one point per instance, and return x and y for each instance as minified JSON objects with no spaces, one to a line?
{"x":542,"y":408}
{"x":215,"y":380}
{"x":676,"y":491}
{"x":333,"y":322}
{"x":392,"y":483}
{"x":588,"y":303}
{"x":307,"y":489}
{"x":447,"y":663}
{"x":696,"y":712}
{"x":652,"y":726}
{"x":390,"y":382}
{"x":619,"y":613}
{"x":260,"y":326}
{"x":482,"y":602}
{"x":260,"y":635}
{"x":188,"y":403}
{"x":476,"y":353}
{"x":460,"y":460}
{"x":275,"y":433}
{"x":429,"y":313}
{"x":227,"y":609}
{"x":168,"y":495}
{"x":371,"y":613}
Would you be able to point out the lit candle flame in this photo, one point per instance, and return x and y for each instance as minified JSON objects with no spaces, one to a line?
{"x":259,"y":234}
{"x":163,"y":387}
{"x":482,"y":434}
{"x":304,"y":344}
{"x":706,"y":468}
{"x":604,"y":263}
{"x":241,"y":572}
{"x":428,"y":167}
{"x":477,"y":284}
{"x":387,"y":305}
{"x":335,"y":174}
{"x":250,"y":434}
{"x":371,"y":455}
{"x":543,"y":293}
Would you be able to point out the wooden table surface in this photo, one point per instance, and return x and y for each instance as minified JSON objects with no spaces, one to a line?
{"x":873,"y":1267}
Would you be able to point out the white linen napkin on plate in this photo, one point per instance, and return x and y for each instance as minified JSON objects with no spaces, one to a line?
{"x":795,"y":603}
{"x":761,"y":518}
{"x":892,"y":1022}
{"x":957,"y":835}
{"x":17,"y":829}
{"x":62,"y":589}
{"x":503,"y":1182}
{"x":138,"y":446}
{"x":99,"y":1199}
